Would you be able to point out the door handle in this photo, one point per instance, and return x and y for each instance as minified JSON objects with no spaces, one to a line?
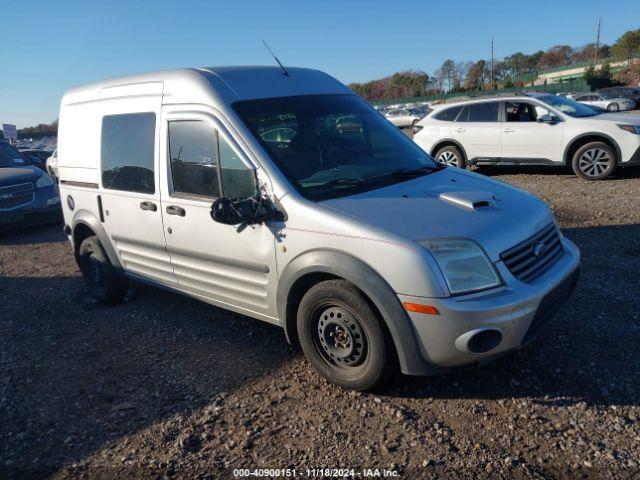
{"x":148,"y":206}
{"x":459,"y":130}
{"x":508,"y":130}
{"x":175,"y":210}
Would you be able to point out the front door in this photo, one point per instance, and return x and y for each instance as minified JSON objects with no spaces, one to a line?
{"x":524,"y":139}
{"x":129,"y":186}
{"x":226,"y":266}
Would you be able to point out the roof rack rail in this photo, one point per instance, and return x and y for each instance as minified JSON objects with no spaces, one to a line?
{"x":477,"y":95}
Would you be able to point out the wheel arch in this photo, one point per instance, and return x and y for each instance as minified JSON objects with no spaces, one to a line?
{"x":448,"y":142}
{"x":315,"y":266}
{"x":86,"y":224}
{"x":584,"y":138}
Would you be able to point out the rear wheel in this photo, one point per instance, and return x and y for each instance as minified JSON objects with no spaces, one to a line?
{"x":450,"y":156}
{"x":594,"y":161}
{"x":102,"y":279}
{"x":343,"y":338}
{"x":613,"y":107}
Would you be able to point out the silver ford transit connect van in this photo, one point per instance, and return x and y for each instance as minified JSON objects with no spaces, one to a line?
{"x":285,"y":197}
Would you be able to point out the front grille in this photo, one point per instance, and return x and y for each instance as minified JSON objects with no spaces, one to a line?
{"x":534,"y":256}
{"x":550,"y":305}
{"x":15,"y":201}
{"x":15,"y":196}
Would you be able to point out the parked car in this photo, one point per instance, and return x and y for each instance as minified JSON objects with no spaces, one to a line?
{"x":622,"y":92}
{"x":402,"y":118}
{"x":52,"y":165}
{"x":612,"y":104}
{"x":28,"y":196}
{"x":367,"y":253}
{"x":38,"y":157}
{"x":538,"y":129}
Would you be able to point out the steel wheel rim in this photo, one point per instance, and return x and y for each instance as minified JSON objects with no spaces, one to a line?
{"x":339,"y":337}
{"x":95,"y":274}
{"x":594,"y":162}
{"x":448,"y":158}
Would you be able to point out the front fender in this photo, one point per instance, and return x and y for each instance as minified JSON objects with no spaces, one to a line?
{"x":343,"y":265}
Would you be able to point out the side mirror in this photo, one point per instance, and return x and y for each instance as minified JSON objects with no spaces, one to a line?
{"x":546,"y":118}
{"x":224,"y":210}
{"x":245,"y":211}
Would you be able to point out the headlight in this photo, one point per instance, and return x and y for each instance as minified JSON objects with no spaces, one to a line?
{"x":44,"y":181}
{"x":465,"y":266}
{"x":630,"y":128}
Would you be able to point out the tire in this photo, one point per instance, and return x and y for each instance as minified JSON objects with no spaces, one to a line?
{"x":450,"y":156}
{"x":102,"y":279}
{"x":613,"y":107}
{"x":594,"y":161}
{"x":343,"y":338}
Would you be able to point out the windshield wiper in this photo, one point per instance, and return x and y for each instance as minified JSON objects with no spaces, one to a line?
{"x":399,"y":173}
{"x":409,"y":172}
{"x":340,"y":182}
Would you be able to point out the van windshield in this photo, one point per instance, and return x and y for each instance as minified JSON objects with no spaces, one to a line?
{"x":333,"y":145}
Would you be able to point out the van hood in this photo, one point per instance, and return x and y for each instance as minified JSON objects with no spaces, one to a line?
{"x":451,"y":203}
{"x":15,"y":175}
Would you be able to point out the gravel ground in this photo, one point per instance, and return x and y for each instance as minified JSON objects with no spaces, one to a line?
{"x":165,"y":386}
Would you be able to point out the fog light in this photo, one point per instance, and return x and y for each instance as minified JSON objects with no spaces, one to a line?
{"x":484,"y":341}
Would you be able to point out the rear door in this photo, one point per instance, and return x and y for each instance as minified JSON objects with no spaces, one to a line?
{"x":525,"y":140}
{"x":129,"y":184}
{"x":477,"y":127}
{"x":229,"y":267}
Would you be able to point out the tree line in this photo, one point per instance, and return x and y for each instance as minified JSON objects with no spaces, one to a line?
{"x":40,"y":128}
{"x":508,"y":72}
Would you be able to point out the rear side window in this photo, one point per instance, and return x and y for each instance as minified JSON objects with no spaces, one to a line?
{"x":483,"y":112}
{"x":448,"y":114}
{"x":127,"y":152}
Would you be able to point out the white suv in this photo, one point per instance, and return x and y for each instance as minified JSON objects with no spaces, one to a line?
{"x":538,"y":129}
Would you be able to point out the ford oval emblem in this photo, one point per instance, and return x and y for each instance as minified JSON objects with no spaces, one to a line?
{"x":539,"y":250}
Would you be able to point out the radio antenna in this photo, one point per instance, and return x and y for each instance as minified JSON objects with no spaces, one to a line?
{"x":284,"y":70}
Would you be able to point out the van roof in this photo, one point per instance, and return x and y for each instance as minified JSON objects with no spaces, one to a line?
{"x":221,"y":84}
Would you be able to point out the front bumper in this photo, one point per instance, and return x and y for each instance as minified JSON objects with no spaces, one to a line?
{"x":518,"y":311}
{"x":634,"y":160}
{"x":45,"y":208}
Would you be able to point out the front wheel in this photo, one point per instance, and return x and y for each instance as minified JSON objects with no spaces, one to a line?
{"x":343,"y":338}
{"x":613,"y":107}
{"x":594,"y":161}
{"x":450,"y":156}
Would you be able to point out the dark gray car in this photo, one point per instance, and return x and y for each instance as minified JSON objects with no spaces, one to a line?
{"x":28,"y":196}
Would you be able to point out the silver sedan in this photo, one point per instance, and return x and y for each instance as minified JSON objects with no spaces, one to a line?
{"x":608,"y":103}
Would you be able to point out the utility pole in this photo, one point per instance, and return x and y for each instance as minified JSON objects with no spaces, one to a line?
{"x":597,"y":42}
{"x":491,"y":79}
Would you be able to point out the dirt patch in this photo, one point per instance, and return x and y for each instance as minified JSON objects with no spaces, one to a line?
{"x":165,"y":386}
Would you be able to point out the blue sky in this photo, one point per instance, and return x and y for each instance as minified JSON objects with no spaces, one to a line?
{"x":49,"y":46}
